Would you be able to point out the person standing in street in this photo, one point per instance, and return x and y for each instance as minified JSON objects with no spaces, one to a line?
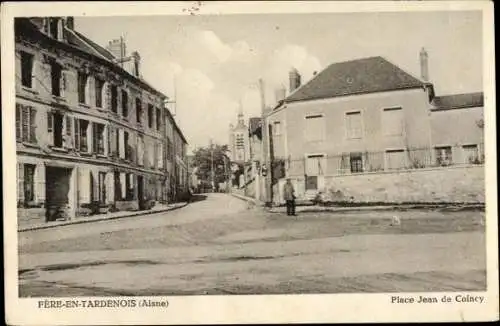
{"x":289,"y":196}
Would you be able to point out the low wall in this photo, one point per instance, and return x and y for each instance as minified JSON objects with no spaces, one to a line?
{"x":455,"y":184}
{"x":29,"y":216}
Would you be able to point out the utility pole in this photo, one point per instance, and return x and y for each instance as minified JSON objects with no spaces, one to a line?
{"x":267,"y":195}
{"x":212,"y":164}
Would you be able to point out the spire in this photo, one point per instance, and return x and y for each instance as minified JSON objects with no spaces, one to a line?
{"x":241,"y":121}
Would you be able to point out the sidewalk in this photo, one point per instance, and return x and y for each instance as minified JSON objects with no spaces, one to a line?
{"x":365,"y":207}
{"x":159,"y":208}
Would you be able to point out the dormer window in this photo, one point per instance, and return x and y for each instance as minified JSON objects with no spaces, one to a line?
{"x":55,"y":28}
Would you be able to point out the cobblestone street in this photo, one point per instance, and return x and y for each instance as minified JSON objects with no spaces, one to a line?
{"x":220,"y":245}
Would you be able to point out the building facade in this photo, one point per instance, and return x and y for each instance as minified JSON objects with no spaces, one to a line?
{"x":91,"y":134}
{"x":368,"y":116}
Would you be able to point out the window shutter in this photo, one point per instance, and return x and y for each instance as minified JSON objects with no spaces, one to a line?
{"x":45,"y":78}
{"x":18,"y":122}
{"x":84,"y":185}
{"x":50,"y":128}
{"x":68,"y":139}
{"x":33,"y":125}
{"x":111,"y":140}
{"x":63,"y":82}
{"x":40,"y":183}
{"x":77,"y":133}
{"x":20,"y":182}
{"x":90,"y":91}
{"x":123,"y":186}
{"x":25,"y":123}
{"x":94,"y":185}
{"x":121,"y":145}
{"x":89,"y":137}
{"x":94,"y":137}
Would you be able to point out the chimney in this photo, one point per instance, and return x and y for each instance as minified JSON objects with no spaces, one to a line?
{"x":295,"y":79}
{"x":424,"y":65}
{"x":137,"y":63}
{"x":280,"y":94}
{"x":70,"y":23}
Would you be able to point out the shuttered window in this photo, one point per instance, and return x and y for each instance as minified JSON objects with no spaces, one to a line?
{"x":26,"y":124}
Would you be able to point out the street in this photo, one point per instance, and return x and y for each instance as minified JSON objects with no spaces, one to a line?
{"x":218,"y":244}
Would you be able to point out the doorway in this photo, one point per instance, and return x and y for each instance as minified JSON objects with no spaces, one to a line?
{"x":140,"y":192}
{"x":57,"y":185}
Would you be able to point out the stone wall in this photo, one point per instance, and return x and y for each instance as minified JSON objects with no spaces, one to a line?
{"x":450,"y":184}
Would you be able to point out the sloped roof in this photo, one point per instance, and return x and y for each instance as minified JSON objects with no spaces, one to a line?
{"x":458,"y":101}
{"x":368,"y":75}
{"x":86,"y":44}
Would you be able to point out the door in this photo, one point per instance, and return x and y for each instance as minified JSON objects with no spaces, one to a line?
{"x":140,"y":191}
{"x":315,"y":169}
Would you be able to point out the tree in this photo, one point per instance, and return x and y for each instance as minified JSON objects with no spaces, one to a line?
{"x":203,"y":161}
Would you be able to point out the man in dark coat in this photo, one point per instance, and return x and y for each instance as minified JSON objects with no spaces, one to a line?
{"x":289,"y":196}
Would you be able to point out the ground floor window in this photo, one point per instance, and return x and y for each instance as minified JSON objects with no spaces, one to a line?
{"x":356,"y":161}
{"x":443,"y":155}
{"x":471,"y":154}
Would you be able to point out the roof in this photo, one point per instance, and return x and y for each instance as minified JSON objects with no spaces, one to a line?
{"x":79,"y":44}
{"x":458,"y":101}
{"x":368,"y":75}
{"x":255,"y":123}
{"x":90,"y":45}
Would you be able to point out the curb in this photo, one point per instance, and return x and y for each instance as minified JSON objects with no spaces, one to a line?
{"x":245,"y":198}
{"x":83,"y":221}
{"x":376,"y":208}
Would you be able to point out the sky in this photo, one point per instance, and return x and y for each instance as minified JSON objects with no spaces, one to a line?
{"x":215,"y":61}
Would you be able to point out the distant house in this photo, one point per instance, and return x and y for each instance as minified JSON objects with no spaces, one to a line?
{"x":368,"y":116}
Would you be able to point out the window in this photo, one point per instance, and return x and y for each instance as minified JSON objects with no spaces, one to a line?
{"x":126,"y":145}
{"x":123,"y":144}
{"x":471,"y":154}
{"x":158,"y":119}
{"x":140,"y":150}
{"x":118,"y":186}
{"x":114,"y":98}
{"x":99,"y":87}
{"x":29,"y":183}
{"x":26,"y":69}
{"x":443,"y":156}
{"x":150,"y":115}
{"x":99,"y":144}
{"x":55,"y":128}
{"x":54,"y":27}
{"x":56,"y":79}
{"x":392,"y":122}
{"x":138,"y":110}
{"x":25,"y":124}
{"x":82,"y":87}
{"x":129,"y":186}
{"x":354,"y":125}
{"x":124,"y":103}
{"x":240,"y":141}
{"x":82,"y":136}
{"x":395,"y":159}
{"x":277,"y":128}
{"x":314,"y":128}
{"x":356,"y":161}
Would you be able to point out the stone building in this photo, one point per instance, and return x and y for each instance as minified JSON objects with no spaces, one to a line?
{"x":90,"y":132}
{"x":368,"y":122}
